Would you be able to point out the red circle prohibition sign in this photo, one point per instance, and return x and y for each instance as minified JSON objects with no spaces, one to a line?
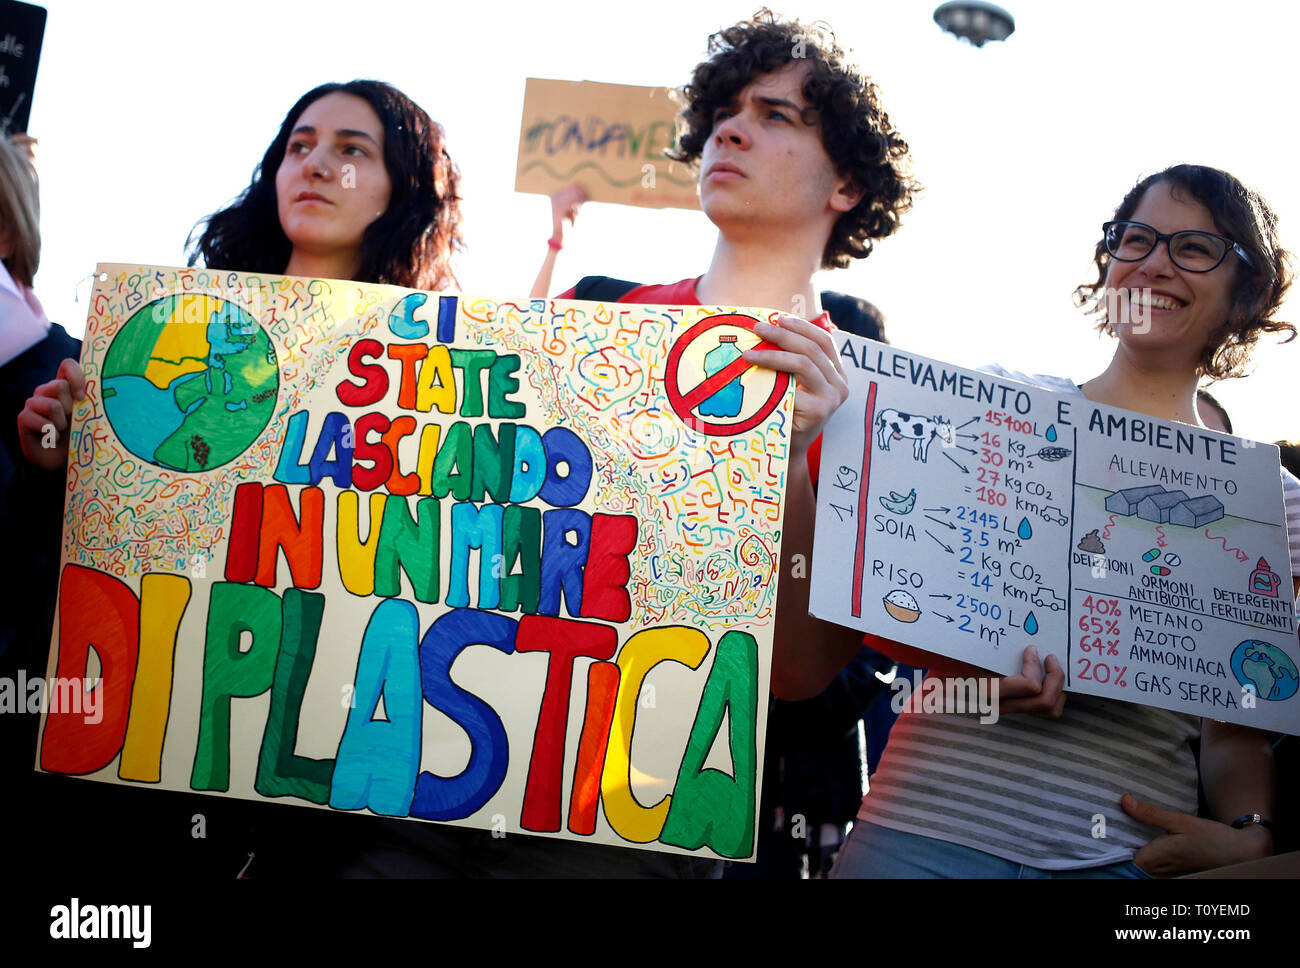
{"x":684,"y":404}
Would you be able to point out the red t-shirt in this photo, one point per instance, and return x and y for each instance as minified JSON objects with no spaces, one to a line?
{"x":683,"y":294}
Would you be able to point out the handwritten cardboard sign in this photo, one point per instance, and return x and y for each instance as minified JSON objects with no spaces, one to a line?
{"x":609,"y":137}
{"x":425,"y":555}
{"x":22,"y":28}
{"x":971,"y":515}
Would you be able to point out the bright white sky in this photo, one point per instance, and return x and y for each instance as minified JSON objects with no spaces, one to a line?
{"x":153,"y":114}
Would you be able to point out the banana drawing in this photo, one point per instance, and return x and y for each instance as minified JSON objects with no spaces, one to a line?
{"x":899,"y":503}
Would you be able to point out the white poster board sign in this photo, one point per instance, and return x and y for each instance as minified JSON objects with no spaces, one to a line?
{"x":971,"y":515}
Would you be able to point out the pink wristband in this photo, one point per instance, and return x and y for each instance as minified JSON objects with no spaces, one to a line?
{"x":557,"y":246}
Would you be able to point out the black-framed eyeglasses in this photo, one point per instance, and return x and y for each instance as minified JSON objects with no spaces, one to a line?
{"x":1130,"y":241}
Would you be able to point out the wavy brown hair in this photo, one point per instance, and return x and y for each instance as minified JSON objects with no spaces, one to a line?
{"x":1242,"y":215}
{"x":856,"y":132}
{"x":411,"y":244}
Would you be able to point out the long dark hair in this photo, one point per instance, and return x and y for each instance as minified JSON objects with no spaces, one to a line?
{"x":410,"y":245}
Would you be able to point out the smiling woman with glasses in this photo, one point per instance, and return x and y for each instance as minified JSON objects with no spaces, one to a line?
{"x":1189,"y":274}
{"x":1235,"y":219}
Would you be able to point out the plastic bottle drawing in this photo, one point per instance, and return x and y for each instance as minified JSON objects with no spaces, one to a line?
{"x":727,"y":401}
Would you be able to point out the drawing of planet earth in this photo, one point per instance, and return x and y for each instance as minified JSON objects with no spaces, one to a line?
{"x":1267,"y":668}
{"x":190,"y":382}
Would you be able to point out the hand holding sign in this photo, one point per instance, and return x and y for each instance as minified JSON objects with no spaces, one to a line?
{"x":51,"y":405}
{"x":565,"y":205}
{"x":1038,"y":689}
{"x":805,"y":351}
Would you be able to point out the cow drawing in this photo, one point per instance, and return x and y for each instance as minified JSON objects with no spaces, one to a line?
{"x":895,"y":425}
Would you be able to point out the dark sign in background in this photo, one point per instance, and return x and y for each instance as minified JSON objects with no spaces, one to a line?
{"x":22,"y":25}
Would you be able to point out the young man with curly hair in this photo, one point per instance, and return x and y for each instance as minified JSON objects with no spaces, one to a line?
{"x":800,"y":169}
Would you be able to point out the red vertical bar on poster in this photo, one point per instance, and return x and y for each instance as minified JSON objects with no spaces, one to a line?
{"x":860,"y":554}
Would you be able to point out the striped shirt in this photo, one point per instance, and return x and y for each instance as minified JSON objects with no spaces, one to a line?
{"x":1038,"y":791}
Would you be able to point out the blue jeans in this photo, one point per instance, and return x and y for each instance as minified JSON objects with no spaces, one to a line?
{"x":873,"y":851}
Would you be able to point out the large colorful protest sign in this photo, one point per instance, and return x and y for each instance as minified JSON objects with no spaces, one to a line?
{"x":505,"y":564}
{"x":609,"y":137}
{"x":971,"y":515}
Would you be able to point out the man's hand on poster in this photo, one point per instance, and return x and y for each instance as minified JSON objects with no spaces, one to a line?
{"x":50,"y":406}
{"x":806,"y":352}
{"x":1192,"y":844}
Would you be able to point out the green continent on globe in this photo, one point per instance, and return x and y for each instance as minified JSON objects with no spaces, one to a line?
{"x":1266,"y":669}
{"x":190,"y":382}
{"x":1260,"y":673}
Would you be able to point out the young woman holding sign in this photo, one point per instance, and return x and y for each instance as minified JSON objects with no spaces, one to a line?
{"x":1190,"y":273}
{"x":357,"y":185}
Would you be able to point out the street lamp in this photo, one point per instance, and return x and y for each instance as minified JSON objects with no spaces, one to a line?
{"x":975,"y":21}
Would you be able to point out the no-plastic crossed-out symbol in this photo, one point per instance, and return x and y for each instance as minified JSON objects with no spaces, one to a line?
{"x":684,"y":403}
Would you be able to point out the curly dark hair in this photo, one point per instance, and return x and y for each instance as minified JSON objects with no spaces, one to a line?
{"x":856,"y":132}
{"x":1242,"y":215}
{"x":411,"y":244}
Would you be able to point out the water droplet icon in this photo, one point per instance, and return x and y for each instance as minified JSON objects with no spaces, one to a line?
{"x":1025,"y":531}
{"x":1051,"y":432}
{"x":1031,"y":624}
